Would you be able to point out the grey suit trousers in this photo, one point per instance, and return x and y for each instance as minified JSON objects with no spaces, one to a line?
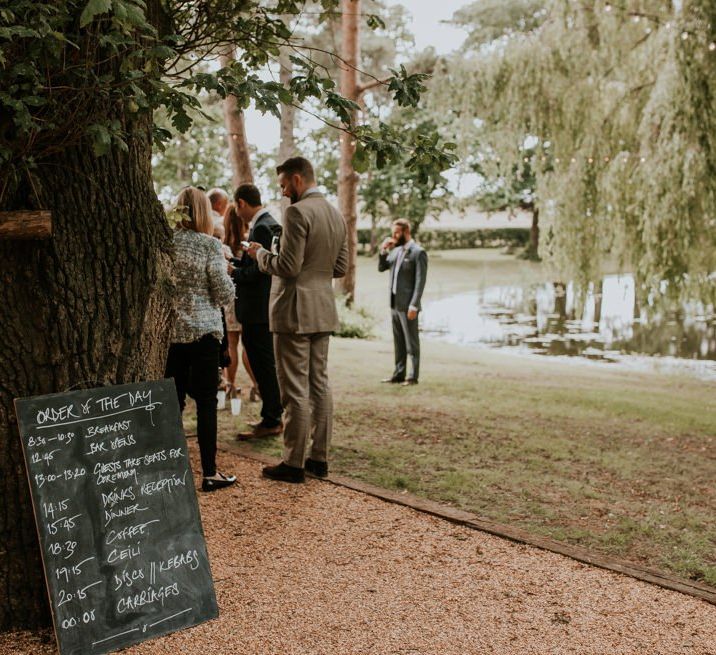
{"x":301,"y":362}
{"x":406,"y":340}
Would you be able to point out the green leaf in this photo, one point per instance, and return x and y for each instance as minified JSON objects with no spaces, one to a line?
{"x":34,"y":101}
{"x":361,"y":159}
{"x":181,"y":120}
{"x":375,"y":22}
{"x":101,"y":139}
{"x":94,"y":8}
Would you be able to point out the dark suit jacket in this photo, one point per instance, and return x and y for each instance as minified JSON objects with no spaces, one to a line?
{"x":412,"y":275}
{"x":253,"y":287}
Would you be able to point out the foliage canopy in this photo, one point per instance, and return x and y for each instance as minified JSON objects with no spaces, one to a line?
{"x":620,"y":101}
{"x":98,"y":69}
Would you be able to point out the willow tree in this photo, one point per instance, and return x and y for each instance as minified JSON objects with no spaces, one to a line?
{"x":620,"y":98}
{"x":80,"y":81}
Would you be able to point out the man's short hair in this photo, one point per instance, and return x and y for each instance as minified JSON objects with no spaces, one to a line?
{"x":297,"y":165}
{"x":402,"y":222}
{"x":249,"y":193}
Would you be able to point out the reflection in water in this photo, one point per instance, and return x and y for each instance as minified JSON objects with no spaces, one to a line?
{"x":545,"y":319}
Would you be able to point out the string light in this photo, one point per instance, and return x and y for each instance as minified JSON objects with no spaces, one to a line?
{"x":655,"y":19}
{"x":622,"y":157}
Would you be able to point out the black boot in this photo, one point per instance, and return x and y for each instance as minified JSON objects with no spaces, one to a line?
{"x":284,"y":473}
{"x":316,"y":468}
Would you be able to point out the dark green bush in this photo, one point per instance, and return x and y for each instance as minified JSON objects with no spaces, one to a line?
{"x":456,"y":239}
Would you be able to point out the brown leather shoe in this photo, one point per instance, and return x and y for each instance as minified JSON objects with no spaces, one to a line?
{"x":260,"y":431}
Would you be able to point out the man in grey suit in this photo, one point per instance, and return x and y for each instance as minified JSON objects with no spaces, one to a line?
{"x":408,"y":266}
{"x":302,"y":314}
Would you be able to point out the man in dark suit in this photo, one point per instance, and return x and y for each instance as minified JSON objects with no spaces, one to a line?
{"x":253,"y":289}
{"x":408,"y":265}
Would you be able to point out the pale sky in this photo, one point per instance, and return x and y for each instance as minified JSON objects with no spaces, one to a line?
{"x":263,"y":131}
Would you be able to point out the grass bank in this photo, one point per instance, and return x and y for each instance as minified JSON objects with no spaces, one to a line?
{"x":617,"y":461}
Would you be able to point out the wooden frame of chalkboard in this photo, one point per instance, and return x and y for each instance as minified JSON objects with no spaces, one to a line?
{"x":122,"y":544}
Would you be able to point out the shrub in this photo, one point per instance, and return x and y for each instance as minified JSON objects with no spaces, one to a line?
{"x":356,"y":322}
{"x":457,"y":239}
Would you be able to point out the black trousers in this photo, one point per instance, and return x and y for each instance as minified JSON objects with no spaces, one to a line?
{"x":195,"y":369}
{"x":258,"y":343}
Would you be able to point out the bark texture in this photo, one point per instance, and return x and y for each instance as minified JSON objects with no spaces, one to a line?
{"x":90,"y":305}
{"x":347,"y":177}
{"x":287,"y":144}
{"x":534,"y":233}
{"x":236,"y":134}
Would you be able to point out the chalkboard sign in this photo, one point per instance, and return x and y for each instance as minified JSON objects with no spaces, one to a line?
{"x":122,"y":544}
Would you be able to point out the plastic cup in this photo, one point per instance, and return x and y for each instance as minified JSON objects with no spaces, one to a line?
{"x":221,"y":399}
{"x":236,"y":406}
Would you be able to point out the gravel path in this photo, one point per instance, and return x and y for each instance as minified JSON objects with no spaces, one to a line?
{"x":317,"y":569}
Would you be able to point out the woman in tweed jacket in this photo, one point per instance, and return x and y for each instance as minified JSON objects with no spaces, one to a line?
{"x":203,"y":287}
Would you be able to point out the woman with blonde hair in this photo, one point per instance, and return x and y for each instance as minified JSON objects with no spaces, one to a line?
{"x":236,"y":231}
{"x":203,"y":287}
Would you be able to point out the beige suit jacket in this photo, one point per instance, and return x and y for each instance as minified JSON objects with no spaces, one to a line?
{"x":313,"y":250}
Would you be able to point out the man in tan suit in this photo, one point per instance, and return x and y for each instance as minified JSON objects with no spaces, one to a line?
{"x":302,"y":314}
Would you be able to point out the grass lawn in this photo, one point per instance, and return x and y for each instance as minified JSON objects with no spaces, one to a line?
{"x":620,"y":462}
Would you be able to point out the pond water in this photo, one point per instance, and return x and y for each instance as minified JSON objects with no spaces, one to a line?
{"x":544,"y":319}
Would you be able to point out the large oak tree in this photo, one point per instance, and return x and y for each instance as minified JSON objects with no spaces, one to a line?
{"x":80,"y":81}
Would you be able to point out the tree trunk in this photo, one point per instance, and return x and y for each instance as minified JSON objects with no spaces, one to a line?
{"x":287,"y":145}
{"x":560,"y":300}
{"x":347,"y":177}
{"x":373,"y":245}
{"x":598,"y":297}
{"x":91,"y":305}
{"x":236,"y":134}
{"x":534,"y":232}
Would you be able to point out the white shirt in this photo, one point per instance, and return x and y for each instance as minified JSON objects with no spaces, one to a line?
{"x":396,"y":269}
{"x":217,"y":219}
{"x":398,"y":263}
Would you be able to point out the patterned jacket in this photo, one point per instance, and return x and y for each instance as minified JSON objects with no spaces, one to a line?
{"x":203,"y":286}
